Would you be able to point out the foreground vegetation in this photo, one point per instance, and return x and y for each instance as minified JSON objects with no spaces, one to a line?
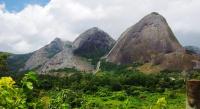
{"x":113,"y":87}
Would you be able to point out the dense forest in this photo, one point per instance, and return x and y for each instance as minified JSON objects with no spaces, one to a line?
{"x":113,"y":86}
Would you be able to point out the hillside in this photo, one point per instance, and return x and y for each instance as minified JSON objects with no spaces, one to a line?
{"x":3,"y":62}
{"x":147,"y":68}
{"x":93,"y":43}
{"x":151,"y":42}
{"x":82,"y":54}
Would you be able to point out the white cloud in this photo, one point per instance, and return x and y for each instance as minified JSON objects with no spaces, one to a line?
{"x":35,"y":26}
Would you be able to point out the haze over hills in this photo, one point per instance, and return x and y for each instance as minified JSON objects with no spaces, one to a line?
{"x":150,"y":42}
{"x":192,"y":49}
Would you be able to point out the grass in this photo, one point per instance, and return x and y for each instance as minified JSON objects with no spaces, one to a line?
{"x":148,"y":68}
{"x":144,"y":101}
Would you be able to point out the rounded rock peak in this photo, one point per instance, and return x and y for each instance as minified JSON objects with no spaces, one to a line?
{"x":92,"y":32}
{"x":57,"y":40}
{"x":155,"y":13}
{"x":153,"y":18}
{"x":148,"y":37}
{"x":93,"y":29}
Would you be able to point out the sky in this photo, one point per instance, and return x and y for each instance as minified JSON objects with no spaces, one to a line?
{"x":27,"y":25}
{"x":18,"y":5}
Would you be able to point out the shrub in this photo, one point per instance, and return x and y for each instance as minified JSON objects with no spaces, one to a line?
{"x":10,"y":96}
{"x":161,"y":103}
{"x":3,"y":63}
{"x":67,"y":98}
{"x":171,"y":94}
{"x":121,"y":95}
{"x":116,"y":86}
{"x":134,"y":90}
{"x":103,"y":92}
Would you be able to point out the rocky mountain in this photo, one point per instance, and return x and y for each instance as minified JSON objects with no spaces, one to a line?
{"x":192,"y":50}
{"x":93,"y":43}
{"x":65,"y":54}
{"x":39,"y":57}
{"x":149,"y":37}
{"x":151,"y":41}
{"x":66,"y":59}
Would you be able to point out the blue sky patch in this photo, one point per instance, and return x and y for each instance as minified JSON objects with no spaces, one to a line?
{"x":18,"y":5}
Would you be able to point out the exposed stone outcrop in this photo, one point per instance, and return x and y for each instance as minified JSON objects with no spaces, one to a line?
{"x":149,"y":37}
{"x":39,"y":57}
{"x":93,"y":43}
{"x":66,"y":59}
{"x":152,"y":42}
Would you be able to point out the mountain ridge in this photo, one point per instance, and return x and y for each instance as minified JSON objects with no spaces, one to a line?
{"x":60,"y":54}
{"x":150,"y":42}
{"x":151,"y":32}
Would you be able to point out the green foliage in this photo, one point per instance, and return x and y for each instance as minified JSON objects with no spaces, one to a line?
{"x":65,"y":99}
{"x":28,"y":80}
{"x":121,"y":96}
{"x":161,"y":104}
{"x":108,"y":66}
{"x":66,"y":70}
{"x":11,"y":96}
{"x":3,"y":62}
{"x":122,"y":87}
{"x":17,"y":61}
{"x":103,"y":92}
{"x":134,"y":91}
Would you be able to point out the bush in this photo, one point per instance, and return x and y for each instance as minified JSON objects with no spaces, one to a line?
{"x":3,"y":63}
{"x":116,"y":86}
{"x":93,"y":104}
{"x":171,"y":94}
{"x":161,"y":103}
{"x":66,"y":97}
{"x":134,"y":90}
{"x":121,"y":95}
{"x":103,"y":92}
{"x":10,"y":96}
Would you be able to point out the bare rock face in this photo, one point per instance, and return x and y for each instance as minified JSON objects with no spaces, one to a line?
{"x":145,"y":40}
{"x":64,"y":54}
{"x":42,"y":55}
{"x":178,"y":61}
{"x":93,"y":43}
{"x":152,"y":42}
{"x":66,"y":59}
